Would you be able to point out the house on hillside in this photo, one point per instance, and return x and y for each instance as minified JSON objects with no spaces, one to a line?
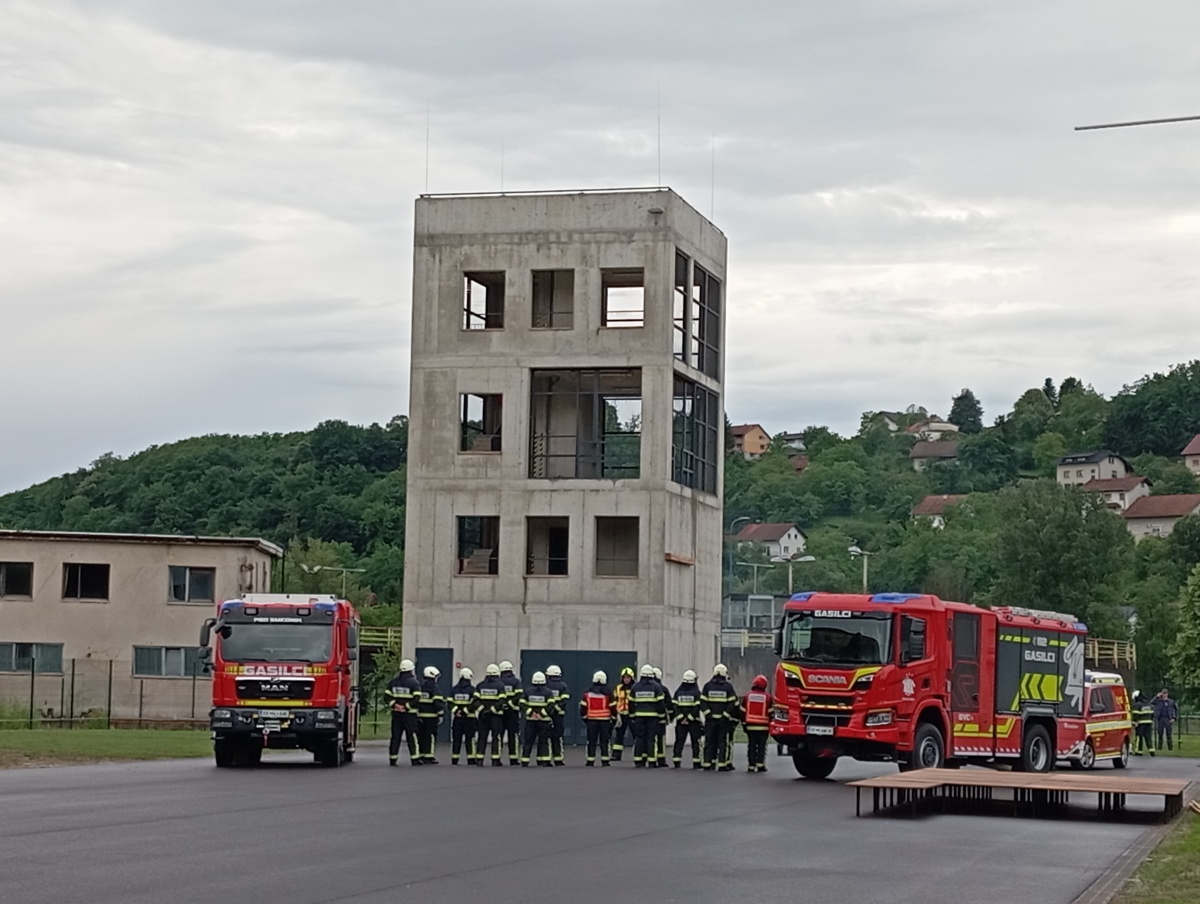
{"x":1078,"y":468}
{"x":894,"y":421}
{"x":1155,"y":516}
{"x":933,"y":508}
{"x":793,"y":441}
{"x":926,"y":452}
{"x":1119,"y":492}
{"x":1191,"y":455}
{"x":751,"y":440}
{"x":932,"y":428}
{"x":781,"y":540}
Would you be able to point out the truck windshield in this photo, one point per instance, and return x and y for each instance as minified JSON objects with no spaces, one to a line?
{"x":850,"y":638}
{"x":277,"y":643}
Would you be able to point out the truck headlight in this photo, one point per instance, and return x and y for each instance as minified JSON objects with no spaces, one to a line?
{"x":326,"y":715}
{"x":864,"y":683}
{"x":222,"y":714}
{"x":780,"y":714}
{"x":874,"y":720}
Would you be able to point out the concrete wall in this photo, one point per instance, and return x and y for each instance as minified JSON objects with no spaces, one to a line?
{"x":669,"y":612}
{"x":1150,"y":527}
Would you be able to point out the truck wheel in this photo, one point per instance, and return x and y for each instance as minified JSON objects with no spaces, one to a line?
{"x":814,"y":766}
{"x":1036,"y":752}
{"x":929,"y":750}
{"x":1122,"y":759}
{"x":330,"y":754}
{"x":1087,"y":759}
{"x":225,"y":753}
{"x":252,"y":754}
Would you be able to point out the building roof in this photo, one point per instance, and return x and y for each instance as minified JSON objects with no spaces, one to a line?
{"x":927,"y":423}
{"x":743,"y":429}
{"x":153,"y":539}
{"x":1192,"y":448}
{"x":1175,"y":505}
{"x":938,"y":448}
{"x":766,"y":533}
{"x":1087,"y":458}
{"x":936,"y":505}
{"x":1114,"y":484}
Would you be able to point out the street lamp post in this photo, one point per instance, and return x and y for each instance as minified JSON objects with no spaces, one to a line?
{"x":314,"y":569}
{"x":790,"y":560}
{"x":857,"y":553}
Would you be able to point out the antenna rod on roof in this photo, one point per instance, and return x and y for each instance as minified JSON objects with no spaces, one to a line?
{"x":1136,"y":122}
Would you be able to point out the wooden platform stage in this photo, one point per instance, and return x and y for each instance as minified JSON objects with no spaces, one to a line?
{"x":1033,"y":794}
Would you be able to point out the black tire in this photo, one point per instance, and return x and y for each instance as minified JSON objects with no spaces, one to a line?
{"x":1122,"y":759}
{"x":348,"y":756}
{"x":929,"y":748}
{"x":331,"y":754}
{"x":225,"y":753}
{"x":1037,"y":753}
{"x":1087,"y":760}
{"x":252,"y":754}
{"x":816,"y":767}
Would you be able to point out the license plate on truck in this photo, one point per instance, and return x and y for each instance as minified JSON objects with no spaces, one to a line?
{"x":820,"y":729}
{"x":274,"y":714}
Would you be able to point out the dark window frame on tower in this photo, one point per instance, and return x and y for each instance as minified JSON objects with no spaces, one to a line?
{"x":552,"y":295}
{"x":585,"y":424}
{"x":481,"y":421}
{"x":483,"y":300}
{"x":696,"y":316}
{"x":696,"y":426}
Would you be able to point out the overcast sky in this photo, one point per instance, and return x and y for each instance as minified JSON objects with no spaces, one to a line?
{"x":206,"y":207}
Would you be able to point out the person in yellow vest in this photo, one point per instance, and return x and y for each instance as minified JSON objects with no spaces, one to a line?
{"x":646,"y":707}
{"x":598,"y":709}
{"x":1143,"y":724}
{"x":688,"y":726}
{"x":624,"y":724}
{"x":756,"y":719}
{"x":538,"y":704}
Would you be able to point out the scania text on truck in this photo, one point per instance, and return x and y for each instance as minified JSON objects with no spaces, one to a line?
{"x":284,"y":675}
{"x":926,"y":683}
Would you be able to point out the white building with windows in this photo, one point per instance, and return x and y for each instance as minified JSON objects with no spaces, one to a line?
{"x":72,"y":603}
{"x":574,"y":502}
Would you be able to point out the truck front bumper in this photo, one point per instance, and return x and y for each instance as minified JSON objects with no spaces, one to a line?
{"x":279,"y":728}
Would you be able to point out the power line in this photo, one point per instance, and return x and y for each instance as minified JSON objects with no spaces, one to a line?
{"x":1136,"y":122}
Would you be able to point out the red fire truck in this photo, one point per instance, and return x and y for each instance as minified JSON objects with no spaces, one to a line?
{"x":285,"y":675}
{"x":926,"y":683}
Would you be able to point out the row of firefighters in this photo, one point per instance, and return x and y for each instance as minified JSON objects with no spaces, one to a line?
{"x":502,"y":709}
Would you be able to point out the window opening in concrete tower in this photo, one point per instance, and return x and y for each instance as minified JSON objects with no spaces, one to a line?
{"x":705,"y":325}
{"x":696,"y":424}
{"x":483,"y":301}
{"x":481,"y":422}
{"x":478,"y":545}
{"x":585,"y":424}
{"x":547,"y":545}
{"x":679,"y":306}
{"x":623,"y":297}
{"x":616,"y":547}
{"x":553,"y":299}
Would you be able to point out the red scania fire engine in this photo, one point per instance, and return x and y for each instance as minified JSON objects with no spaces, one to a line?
{"x":910,"y":678}
{"x":285,"y":675}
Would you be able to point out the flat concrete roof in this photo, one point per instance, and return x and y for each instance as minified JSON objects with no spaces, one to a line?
{"x":152,"y":539}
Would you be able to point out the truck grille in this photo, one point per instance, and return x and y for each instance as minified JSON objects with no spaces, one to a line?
{"x":274,"y":689}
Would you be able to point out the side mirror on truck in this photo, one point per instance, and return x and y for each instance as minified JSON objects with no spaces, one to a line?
{"x":352,"y":642}
{"x":778,"y":639}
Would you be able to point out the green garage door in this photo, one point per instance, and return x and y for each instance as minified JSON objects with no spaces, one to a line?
{"x":577,"y":666}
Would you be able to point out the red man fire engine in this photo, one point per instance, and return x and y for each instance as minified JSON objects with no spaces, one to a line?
{"x":285,"y":675}
{"x":910,"y":678}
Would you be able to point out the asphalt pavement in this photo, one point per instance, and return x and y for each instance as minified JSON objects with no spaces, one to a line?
{"x":183,"y":831}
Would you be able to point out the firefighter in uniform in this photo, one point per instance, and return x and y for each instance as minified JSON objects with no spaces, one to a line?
{"x":491,"y":696}
{"x":646,"y":707}
{"x":598,"y":709}
{"x":512,"y":715}
{"x":558,"y":716}
{"x":623,"y":724}
{"x":660,"y":737}
{"x":688,"y":727}
{"x":403,"y":692}
{"x":1143,"y":723}
{"x":720,"y":707}
{"x":429,"y":716}
{"x":756,"y":718}
{"x":537,"y":703}
{"x":464,"y":719}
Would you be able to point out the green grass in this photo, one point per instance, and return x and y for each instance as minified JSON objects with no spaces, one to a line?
{"x":18,"y":748}
{"x":1186,"y":745}
{"x":1170,"y":875}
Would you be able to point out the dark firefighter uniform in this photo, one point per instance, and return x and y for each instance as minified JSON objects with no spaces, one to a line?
{"x":403,"y":692}
{"x":464,"y":722}
{"x":720,"y":707}
{"x":598,"y":709}
{"x":512,"y":715}
{"x":537,"y":704}
{"x":429,"y":716}
{"x":491,"y":695}
{"x":1143,"y":723}
{"x":623,"y":726}
{"x":660,"y":732}
{"x":558,"y":717}
{"x":688,"y":725}
{"x":646,"y":707}
{"x":756,"y":718}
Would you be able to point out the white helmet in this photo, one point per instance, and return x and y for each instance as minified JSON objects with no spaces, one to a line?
{"x":432,"y":672}
{"x":539,"y":678}
{"x":647,"y":671}
{"x":553,"y":671}
{"x":506,"y":666}
{"x":689,"y":676}
{"x":466,"y":673}
{"x":493,"y":670}
{"x":658,"y":673}
{"x":406,"y":665}
{"x":599,"y":678}
{"x":719,"y":669}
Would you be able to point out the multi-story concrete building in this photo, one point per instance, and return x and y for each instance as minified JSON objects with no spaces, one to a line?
{"x":566,"y":420}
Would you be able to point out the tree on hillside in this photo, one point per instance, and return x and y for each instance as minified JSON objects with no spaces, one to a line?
{"x":988,"y":461}
{"x":1068,"y":386}
{"x":1185,"y":650}
{"x":818,"y":439}
{"x":1169,"y":476}
{"x":1047,"y":450}
{"x":1031,"y":416}
{"x":966,"y":413}
{"x":1050,"y":392}
{"x":1160,"y":413}
{"x":1082,"y":414}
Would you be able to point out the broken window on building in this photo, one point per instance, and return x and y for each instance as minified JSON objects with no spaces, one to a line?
{"x":623,"y":297}
{"x":696,"y":424}
{"x":547,"y":545}
{"x":479,"y":544}
{"x":585,"y":424}
{"x":481,"y":422}
{"x":85,"y":582}
{"x":483,"y":301}
{"x":553,"y":299}
{"x":616,"y":547}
